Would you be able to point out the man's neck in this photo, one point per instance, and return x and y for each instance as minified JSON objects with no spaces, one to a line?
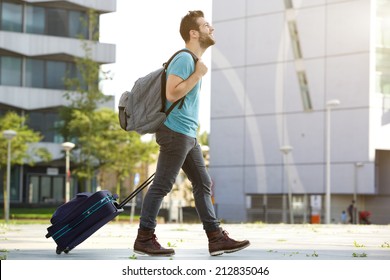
{"x":196,"y":49}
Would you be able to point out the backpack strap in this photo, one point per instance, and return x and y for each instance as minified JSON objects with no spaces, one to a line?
{"x":164,"y":83}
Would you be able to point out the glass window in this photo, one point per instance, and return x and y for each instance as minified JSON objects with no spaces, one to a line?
{"x":51,"y":129}
{"x":35,"y":20}
{"x":46,"y":123}
{"x":45,"y":188}
{"x":74,"y":73}
{"x":383,"y":23}
{"x":383,"y":45}
{"x":383,"y":83}
{"x":33,"y":189}
{"x":11,"y":17}
{"x":58,"y":189}
{"x":35,"y":121}
{"x":11,"y":71}
{"x":383,"y":71}
{"x":55,"y":74}
{"x":304,"y":90}
{"x":296,"y":45}
{"x":57,"y":22}
{"x":95,"y":31}
{"x":35,"y":73}
{"x":78,"y":24}
{"x":58,"y":138}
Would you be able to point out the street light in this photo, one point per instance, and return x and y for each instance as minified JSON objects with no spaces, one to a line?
{"x":286,"y":149}
{"x":67,"y":147}
{"x":8,"y":134}
{"x":355,"y":191}
{"x":329,"y":105}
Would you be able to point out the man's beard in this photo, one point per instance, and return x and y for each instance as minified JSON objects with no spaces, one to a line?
{"x":205,"y":40}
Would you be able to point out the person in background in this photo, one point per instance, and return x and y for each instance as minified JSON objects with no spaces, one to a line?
{"x":351,"y":211}
{"x":343,"y":217}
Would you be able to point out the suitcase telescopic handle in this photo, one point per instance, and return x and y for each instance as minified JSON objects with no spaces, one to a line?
{"x":137,"y":191}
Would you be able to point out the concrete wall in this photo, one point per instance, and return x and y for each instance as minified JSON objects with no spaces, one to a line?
{"x":257,"y":106}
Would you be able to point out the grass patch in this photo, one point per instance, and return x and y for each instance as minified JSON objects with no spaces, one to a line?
{"x":385,"y":245}
{"x":30,"y":213}
{"x":314,"y":255}
{"x":3,"y":254}
{"x":357,"y":245}
{"x":359,"y":255}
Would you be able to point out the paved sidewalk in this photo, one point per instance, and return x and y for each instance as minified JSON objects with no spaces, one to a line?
{"x":268,"y":242}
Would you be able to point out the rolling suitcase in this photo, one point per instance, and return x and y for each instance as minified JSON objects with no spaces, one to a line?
{"x":76,"y":220}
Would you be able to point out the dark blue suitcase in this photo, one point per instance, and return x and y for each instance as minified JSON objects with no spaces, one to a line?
{"x":75,"y":221}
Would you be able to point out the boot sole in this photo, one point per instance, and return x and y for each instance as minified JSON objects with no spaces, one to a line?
{"x":218,"y":253}
{"x":153,"y":255}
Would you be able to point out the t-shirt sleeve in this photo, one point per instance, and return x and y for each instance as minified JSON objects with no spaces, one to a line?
{"x":182,"y":66}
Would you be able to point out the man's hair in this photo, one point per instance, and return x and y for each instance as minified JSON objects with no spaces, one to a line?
{"x":189,"y":22}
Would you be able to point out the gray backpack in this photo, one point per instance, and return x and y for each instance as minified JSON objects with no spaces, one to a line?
{"x":143,"y":108}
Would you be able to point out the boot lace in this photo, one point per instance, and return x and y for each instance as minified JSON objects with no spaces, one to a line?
{"x":225,"y":234}
{"x":155,"y":242}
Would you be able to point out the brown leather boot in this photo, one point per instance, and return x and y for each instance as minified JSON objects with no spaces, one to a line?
{"x":219,"y":243}
{"x":146,"y":243}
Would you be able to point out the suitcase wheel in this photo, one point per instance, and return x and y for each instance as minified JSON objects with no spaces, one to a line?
{"x":58,"y":251}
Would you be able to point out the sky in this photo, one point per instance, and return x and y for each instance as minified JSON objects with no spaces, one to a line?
{"x":146,"y":34}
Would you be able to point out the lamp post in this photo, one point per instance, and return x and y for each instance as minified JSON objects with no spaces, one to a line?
{"x":67,"y":147}
{"x":286,"y":149}
{"x":329,"y":105}
{"x":355,"y":191}
{"x":8,"y":134}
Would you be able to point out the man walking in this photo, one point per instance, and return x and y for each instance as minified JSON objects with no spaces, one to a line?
{"x":179,"y":148}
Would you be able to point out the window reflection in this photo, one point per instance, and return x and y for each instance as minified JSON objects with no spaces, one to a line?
{"x":46,"y":122}
{"x":10,"y":71}
{"x":41,"y":20}
{"x":37,"y":73}
{"x":57,"y":24}
{"x":35,"y":70}
{"x":55,"y":74}
{"x":35,"y":20}
{"x":78,"y":24}
{"x":11,"y":17}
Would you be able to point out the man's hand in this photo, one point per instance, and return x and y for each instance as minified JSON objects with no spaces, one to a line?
{"x":200,"y":68}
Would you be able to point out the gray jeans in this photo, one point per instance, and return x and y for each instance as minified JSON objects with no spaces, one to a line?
{"x":179,"y":151}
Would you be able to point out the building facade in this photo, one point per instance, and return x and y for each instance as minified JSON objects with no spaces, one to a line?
{"x":300,"y":109}
{"x":38,"y":42}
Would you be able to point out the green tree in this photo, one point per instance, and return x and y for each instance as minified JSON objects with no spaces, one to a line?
{"x":203,"y":138}
{"x":24,"y":148}
{"x":85,"y":96}
{"x":102,"y":146}
{"x":107,"y":146}
{"x":83,"y":90}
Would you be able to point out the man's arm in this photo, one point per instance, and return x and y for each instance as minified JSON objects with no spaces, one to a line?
{"x":177,"y":87}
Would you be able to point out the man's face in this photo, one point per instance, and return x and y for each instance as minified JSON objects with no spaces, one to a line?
{"x":206,"y":38}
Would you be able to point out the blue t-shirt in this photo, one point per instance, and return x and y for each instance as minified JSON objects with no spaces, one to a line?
{"x":184,"y":120}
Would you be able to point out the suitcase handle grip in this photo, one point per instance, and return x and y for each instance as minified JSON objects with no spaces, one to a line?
{"x":137,"y":191}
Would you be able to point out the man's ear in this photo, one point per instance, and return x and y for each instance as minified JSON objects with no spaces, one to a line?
{"x":194,"y":34}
